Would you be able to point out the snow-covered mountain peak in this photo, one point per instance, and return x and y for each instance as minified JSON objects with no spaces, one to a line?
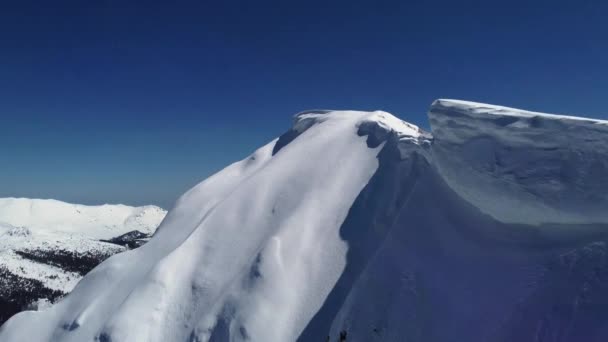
{"x":384,"y":120}
{"x":305,"y":119}
{"x":394,"y":124}
{"x":377,"y":126}
{"x":358,"y":226}
{"x":380,"y":126}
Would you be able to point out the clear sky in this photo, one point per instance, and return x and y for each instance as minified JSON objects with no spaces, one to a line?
{"x":135,"y":102}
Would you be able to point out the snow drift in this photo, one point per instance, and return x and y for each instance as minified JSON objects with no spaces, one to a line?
{"x":358,"y":226}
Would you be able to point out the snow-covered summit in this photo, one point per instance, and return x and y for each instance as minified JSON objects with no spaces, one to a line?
{"x":358,"y":226}
{"x":101,"y":221}
{"x":382,"y":119}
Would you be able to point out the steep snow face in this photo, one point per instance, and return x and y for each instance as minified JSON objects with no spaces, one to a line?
{"x":100,"y":222}
{"x":249,"y":254}
{"x":357,"y":226}
{"x":520,"y":166}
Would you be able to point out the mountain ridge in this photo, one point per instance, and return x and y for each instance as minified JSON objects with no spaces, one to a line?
{"x":359,"y":226}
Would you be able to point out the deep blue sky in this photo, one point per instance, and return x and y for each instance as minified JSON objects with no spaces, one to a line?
{"x":114,"y":101}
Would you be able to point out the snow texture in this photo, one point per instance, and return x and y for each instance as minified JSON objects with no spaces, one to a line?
{"x":357,"y":226}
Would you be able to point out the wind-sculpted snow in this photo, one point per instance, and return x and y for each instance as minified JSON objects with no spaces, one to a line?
{"x":357,"y":226}
{"x":520,"y":166}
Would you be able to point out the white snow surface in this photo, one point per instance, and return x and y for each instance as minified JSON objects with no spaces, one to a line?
{"x":360,"y":223}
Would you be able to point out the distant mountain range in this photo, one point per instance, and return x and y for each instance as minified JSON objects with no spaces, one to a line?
{"x":47,"y":246}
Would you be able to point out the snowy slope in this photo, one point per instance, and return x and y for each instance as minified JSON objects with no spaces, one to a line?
{"x":358,"y":226}
{"x":46,"y":261}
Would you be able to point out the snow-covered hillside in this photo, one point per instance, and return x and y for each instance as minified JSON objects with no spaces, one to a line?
{"x":357,"y":226}
{"x":47,"y":246}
